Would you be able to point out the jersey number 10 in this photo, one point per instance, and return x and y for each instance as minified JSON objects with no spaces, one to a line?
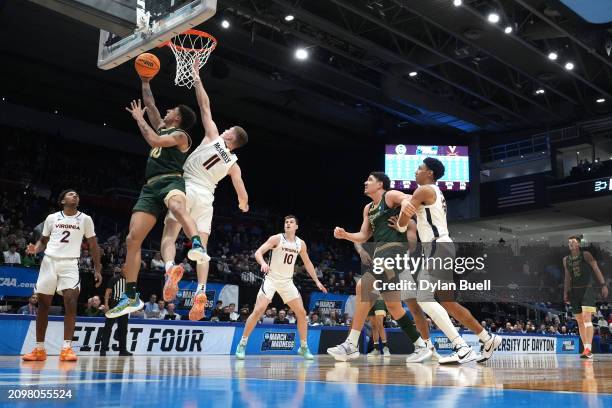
{"x":288,"y":259}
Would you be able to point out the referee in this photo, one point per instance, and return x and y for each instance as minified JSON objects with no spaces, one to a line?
{"x":115,"y":288}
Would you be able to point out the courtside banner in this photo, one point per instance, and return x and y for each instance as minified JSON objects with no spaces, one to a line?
{"x":325,"y":303}
{"x":516,"y":343}
{"x":277,"y":339}
{"x":17,"y":281}
{"x":214,"y":292}
{"x":152,"y":338}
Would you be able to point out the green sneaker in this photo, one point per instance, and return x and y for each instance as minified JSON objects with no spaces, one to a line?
{"x":305,"y":352}
{"x":240,"y":351}
{"x":125,"y":306}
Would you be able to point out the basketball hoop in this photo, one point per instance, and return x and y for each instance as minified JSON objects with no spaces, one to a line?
{"x":189,"y":47}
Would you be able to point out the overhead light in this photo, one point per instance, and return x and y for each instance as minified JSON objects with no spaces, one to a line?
{"x":493,"y":18}
{"x":553,"y":56}
{"x":457,"y":3}
{"x":225,"y":24}
{"x":539,"y":91}
{"x":301,"y":54}
{"x":508,"y":30}
{"x":55,"y":112}
{"x":600,"y":100}
{"x":289,"y":17}
{"x":569,"y":66}
{"x":413,"y":74}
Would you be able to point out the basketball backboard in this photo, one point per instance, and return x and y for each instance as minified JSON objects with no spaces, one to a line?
{"x":157,"y":21}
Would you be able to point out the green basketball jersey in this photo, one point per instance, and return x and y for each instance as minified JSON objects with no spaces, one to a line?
{"x":166,"y":160}
{"x":580,"y":271}
{"x":379,"y":215}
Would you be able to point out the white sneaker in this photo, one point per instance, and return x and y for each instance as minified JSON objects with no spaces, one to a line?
{"x":386,"y":352}
{"x":462,"y":355}
{"x":487,"y":348}
{"x":344,"y":352}
{"x":434,"y":354}
{"x":420,"y":354}
{"x":374,"y":353}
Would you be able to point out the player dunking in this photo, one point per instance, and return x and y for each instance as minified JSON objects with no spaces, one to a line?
{"x":61,"y":241}
{"x":279,"y":278}
{"x":164,"y":188}
{"x":388,"y":242}
{"x":429,"y":205}
{"x":580,"y":267}
{"x":210,"y":162}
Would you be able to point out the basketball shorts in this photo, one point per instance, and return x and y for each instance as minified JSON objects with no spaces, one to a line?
{"x":285,"y":288}
{"x":379,"y":308}
{"x":199,"y":206}
{"x":154,"y":196}
{"x":582,"y":300}
{"x":57,"y":274}
{"x":435,"y":272}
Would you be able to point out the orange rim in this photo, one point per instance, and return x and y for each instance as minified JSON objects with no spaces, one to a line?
{"x":198,"y":33}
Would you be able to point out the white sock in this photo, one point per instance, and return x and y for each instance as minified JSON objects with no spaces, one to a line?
{"x":354,"y":337}
{"x":459,"y":342}
{"x":243,"y":341}
{"x":201,"y":287}
{"x":419,"y":343}
{"x":40,"y":345}
{"x":169,"y":265}
{"x":303,"y":343}
{"x":440,"y":317}
{"x":484,"y":336}
{"x":66,"y":344}
{"x":587,"y":346}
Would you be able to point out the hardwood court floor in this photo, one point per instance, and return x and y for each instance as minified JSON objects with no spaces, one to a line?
{"x":211,"y":381}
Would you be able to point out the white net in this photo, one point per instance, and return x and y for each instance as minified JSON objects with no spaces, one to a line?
{"x":191,"y":50}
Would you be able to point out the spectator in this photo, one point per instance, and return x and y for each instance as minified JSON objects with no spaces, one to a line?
{"x":314,"y":319}
{"x":162,"y":309}
{"x":244,"y":314}
{"x":96,"y":309}
{"x":29,"y":261}
{"x":157,"y":264}
{"x":171,"y":314}
{"x":282,"y":318}
{"x":564,"y":330}
{"x":217,"y":311}
{"x":11,"y":256}
{"x":187,"y":266}
{"x":291,"y":316}
{"x":151,"y":309}
{"x":233,"y":316}
{"x":225,"y":315}
{"x":85,"y":262}
{"x":268,"y":318}
{"x":31,"y":308}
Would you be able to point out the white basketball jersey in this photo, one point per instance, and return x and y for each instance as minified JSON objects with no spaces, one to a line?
{"x":209,"y":163}
{"x":431,"y":219}
{"x":66,"y":234}
{"x":283,"y":258}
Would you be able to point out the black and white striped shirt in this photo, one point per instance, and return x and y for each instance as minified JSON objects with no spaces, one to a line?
{"x":117,"y":286}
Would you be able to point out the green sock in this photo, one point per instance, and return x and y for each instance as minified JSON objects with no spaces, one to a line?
{"x":408,"y":327}
{"x":130,"y":289}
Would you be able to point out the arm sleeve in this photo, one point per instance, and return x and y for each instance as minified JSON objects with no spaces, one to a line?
{"x":89,"y":227}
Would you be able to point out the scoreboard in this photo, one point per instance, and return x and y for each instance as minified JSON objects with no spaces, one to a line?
{"x":402,"y":161}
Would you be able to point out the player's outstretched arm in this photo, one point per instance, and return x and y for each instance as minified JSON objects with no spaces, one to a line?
{"x":566,"y":282}
{"x":177,"y":138}
{"x":149,"y":102}
{"x":310,"y":268}
{"x":271,"y":243}
{"x":243,"y":198}
{"x":210,"y":128}
{"x":359,"y":237}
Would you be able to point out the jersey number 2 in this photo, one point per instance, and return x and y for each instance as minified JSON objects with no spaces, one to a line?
{"x":65,"y":237}
{"x":288,"y":259}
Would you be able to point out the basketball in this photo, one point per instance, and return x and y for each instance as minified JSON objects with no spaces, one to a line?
{"x":147,"y":65}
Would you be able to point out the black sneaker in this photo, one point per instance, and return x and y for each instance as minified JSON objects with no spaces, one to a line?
{"x":102,"y":353}
{"x":125,"y":353}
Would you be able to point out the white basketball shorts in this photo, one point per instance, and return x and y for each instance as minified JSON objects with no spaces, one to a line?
{"x":199,"y":206}
{"x":285,"y":288}
{"x":57,"y":274}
